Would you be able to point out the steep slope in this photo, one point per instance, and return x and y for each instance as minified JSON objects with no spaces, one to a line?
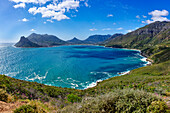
{"x":152,"y":39}
{"x":75,"y":41}
{"x":45,"y":40}
{"x":24,"y":42}
{"x":152,"y":34}
{"x":96,"y":39}
{"x":112,"y":37}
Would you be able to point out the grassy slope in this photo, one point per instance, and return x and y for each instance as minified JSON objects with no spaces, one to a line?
{"x":152,"y":40}
{"x":154,"y":79}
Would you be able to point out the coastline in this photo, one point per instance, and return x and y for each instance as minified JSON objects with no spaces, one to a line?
{"x":145,"y":59}
{"x":93,"y":84}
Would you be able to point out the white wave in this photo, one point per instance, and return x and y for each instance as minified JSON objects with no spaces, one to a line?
{"x":144,"y":59}
{"x":12,"y":74}
{"x":123,"y":73}
{"x":37,"y":77}
{"x":93,"y":84}
{"x":106,"y":73}
{"x":74,"y":85}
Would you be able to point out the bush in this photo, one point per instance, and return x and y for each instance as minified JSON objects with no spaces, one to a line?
{"x":33,"y":107}
{"x":126,"y":100}
{"x":4,"y":96}
{"x":73,"y":98}
{"x":157,"y":107}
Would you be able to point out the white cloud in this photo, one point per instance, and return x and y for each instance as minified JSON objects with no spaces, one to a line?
{"x":120,"y":28}
{"x":54,"y":10}
{"x":137,"y":16}
{"x":32,"y":30}
{"x":50,"y":21}
{"x":44,"y":22}
{"x":24,"y":20}
{"x":158,"y":15}
{"x":21,"y":5}
{"x":109,"y":15}
{"x":31,"y":1}
{"x":86,"y":4}
{"x":106,"y":29}
{"x":130,"y":30}
{"x":143,"y":22}
{"x":93,"y":29}
{"x":114,"y":23}
{"x":144,"y":16}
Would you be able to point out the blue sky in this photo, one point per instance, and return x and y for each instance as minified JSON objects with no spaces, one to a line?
{"x":77,"y":18}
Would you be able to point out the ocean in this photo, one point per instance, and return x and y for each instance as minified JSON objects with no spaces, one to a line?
{"x":75,"y":66}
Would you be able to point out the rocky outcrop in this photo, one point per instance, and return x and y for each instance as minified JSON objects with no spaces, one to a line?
{"x":24,"y":42}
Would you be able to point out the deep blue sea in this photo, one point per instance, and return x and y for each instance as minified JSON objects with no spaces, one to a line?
{"x":77,"y":66}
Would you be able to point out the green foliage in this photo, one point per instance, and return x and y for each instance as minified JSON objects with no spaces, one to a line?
{"x":4,"y":96}
{"x":153,"y":43}
{"x":153,"y":79}
{"x":126,"y":100}
{"x":32,"y":90}
{"x":157,"y":107}
{"x":73,"y":98}
{"x":33,"y":107}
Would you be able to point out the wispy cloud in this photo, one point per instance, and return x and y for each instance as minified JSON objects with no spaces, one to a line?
{"x":137,"y":16}
{"x":49,"y":20}
{"x":110,"y":15}
{"x":21,"y":5}
{"x":120,"y":28}
{"x":32,"y":30}
{"x":24,"y":20}
{"x":144,"y":16}
{"x":93,"y":29}
{"x":106,"y":29}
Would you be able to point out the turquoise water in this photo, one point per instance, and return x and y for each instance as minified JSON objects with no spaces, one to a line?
{"x":77,"y":66}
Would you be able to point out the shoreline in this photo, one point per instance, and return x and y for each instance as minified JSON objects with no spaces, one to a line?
{"x":145,"y":59}
{"x":94,"y":84}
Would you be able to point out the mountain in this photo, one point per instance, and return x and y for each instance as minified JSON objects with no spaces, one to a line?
{"x":152,"y":40}
{"x":75,"y":41}
{"x":112,"y":37}
{"x":96,"y":39}
{"x":151,"y":34}
{"x":45,"y":40}
{"x":24,"y":42}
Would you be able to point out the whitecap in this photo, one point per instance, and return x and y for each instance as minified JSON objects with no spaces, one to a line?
{"x":93,"y":84}
{"x":12,"y":74}
{"x":37,"y":77}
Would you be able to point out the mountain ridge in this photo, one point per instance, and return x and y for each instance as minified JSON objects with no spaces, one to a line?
{"x":45,"y":40}
{"x":152,"y":39}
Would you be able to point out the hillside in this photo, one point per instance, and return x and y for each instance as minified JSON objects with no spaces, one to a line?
{"x":96,"y":39}
{"x":151,"y":39}
{"x":75,"y":41}
{"x":112,"y":37}
{"x":45,"y":40}
{"x":24,"y":42}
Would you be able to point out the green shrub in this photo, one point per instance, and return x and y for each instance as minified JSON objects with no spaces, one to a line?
{"x":33,"y":107}
{"x":157,"y":107}
{"x":4,"y":96}
{"x":73,"y":98}
{"x":126,"y":100}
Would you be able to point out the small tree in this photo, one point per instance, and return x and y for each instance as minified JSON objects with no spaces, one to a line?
{"x":73,"y":98}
